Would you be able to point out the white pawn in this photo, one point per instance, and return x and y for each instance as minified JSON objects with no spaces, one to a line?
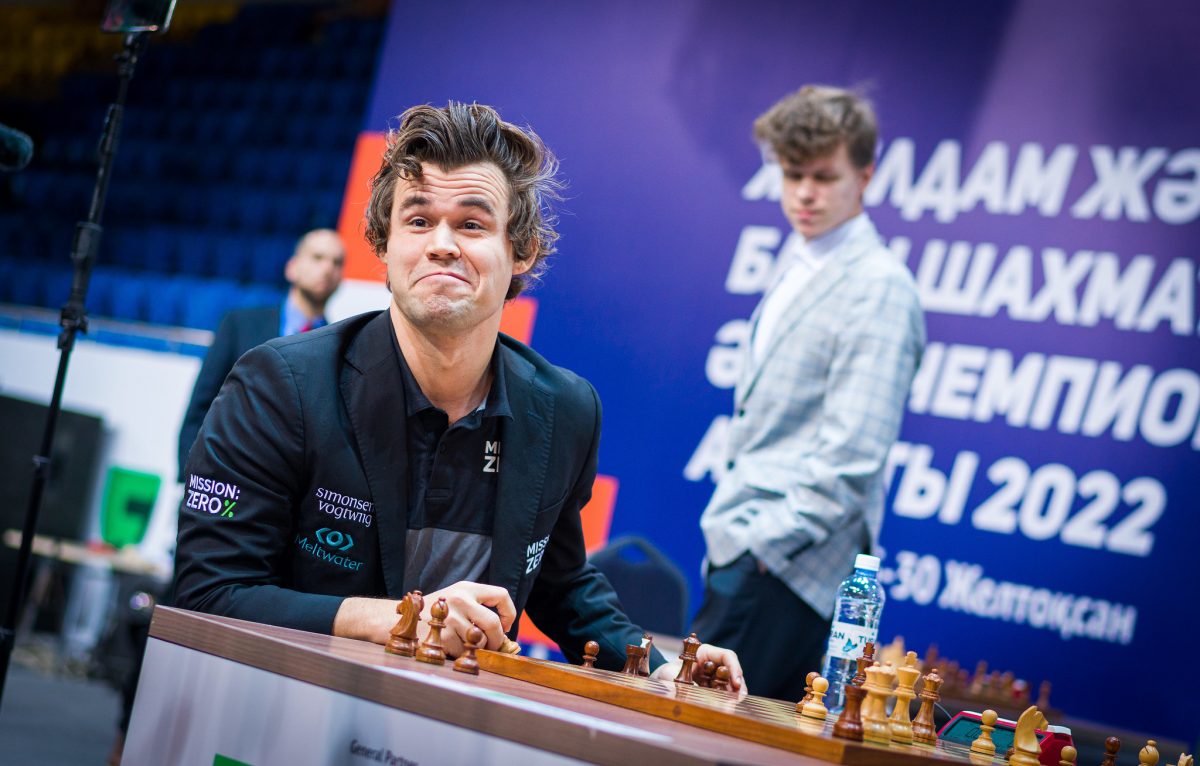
{"x":815,"y":708}
{"x":1067,"y":756}
{"x":1149,"y":754}
{"x":983,"y":743}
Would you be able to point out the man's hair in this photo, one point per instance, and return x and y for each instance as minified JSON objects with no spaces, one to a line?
{"x":811,"y":122}
{"x":457,"y":135}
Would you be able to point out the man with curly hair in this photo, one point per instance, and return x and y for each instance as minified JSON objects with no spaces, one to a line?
{"x":833,"y":349}
{"x":415,"y":448}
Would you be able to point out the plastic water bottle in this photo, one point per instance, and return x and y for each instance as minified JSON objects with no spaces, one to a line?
{"x":855,"y":622}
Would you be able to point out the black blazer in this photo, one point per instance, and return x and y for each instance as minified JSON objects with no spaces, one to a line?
{"x":240,"y":330}
{"x":296,"y":490}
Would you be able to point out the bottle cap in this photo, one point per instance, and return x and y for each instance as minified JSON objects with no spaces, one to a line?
{"x":865,"y":561}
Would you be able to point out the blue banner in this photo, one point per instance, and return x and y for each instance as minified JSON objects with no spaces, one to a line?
{"x":1039,"y":172}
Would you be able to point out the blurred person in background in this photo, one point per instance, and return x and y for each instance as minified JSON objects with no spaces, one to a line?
{"x":314,"y":272}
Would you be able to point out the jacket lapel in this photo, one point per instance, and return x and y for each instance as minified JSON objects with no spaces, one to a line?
{"x":820,"y":285}
{"x":373,"y":391}
{"x":525,"y":460}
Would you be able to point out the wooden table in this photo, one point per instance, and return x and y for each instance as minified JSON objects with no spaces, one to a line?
{"x":219,"y":691}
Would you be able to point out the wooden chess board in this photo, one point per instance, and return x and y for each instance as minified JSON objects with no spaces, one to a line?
{"x":758,"y":719}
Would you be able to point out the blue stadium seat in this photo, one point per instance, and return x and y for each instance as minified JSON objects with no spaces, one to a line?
{"x":195,"y":253}
{"x":339,"y":99}
{"x":207,"y":301}
{"x":209,"y":127}
{"x":24,"y":285}
{"x":358,"y":61}
{"x":99,"y":299}
{"x":176,"y":96}
{"x":291,"y":211}
{"x":8,"y":277}
{"x":55,"y":287}
{"x":201,"y":92}
{"x":177,"y":125}
{"x":273,"y":62}
{"x":279,"y":168}
{"x":54,"y":240}
{"x":124,"y":202}
{"x":650,"y":586}
{"x":254,"y":210}
{"x":310,"y":169}
{"x":212,"y":163}
{"x":11,"y":227}
{"x":120,"y":246}
{"x":221,"y":208}
{"x":267,"y":258}
{"x":247,"y":167}
{"x":337,"y":171}
{"x":133,"y":296}
{"x":158,"y":248}
{"x":9,"y":274}
{"x":232,"y":257}
{"x":326,"y":208}
{"x":155,"y":203}
{"x":282,"y":96}
{"x":38,"y":188}
{"x":260,"y":295}
{"x":188,"y":203}
{"x":163,"y":299}
{"x":236,"y":125}
{"x":145,"y":157}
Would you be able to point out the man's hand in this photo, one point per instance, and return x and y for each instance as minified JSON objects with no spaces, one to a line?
{"x":718,"y":656}
{"x":488,"y":606}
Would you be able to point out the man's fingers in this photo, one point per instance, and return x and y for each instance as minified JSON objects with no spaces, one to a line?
{"x":727,"y":658}
{"x":498,"y":598}
{"x":488,"y":606}
{"x":668,"y":671}
{"x":486,"y":619}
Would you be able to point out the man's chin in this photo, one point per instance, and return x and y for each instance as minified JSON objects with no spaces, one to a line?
{"x":319,"y":297}
{"x":437,"y":312}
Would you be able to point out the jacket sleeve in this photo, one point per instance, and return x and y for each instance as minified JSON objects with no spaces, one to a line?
{"x":237,"y":519}
{"x":217,"y":363}
{"x":572,"y":601}
{"x":877,"y":349}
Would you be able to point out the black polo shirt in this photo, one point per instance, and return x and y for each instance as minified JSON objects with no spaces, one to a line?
{"x":453,"y":471}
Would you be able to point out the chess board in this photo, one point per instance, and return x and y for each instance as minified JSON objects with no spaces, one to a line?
{"x":758,"y":719}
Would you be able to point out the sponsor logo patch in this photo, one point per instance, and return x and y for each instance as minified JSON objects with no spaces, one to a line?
{"x":344,"y":507}
{"x":211,"y":496}
{"x":533,"y":554}
{"x":330,"y":545}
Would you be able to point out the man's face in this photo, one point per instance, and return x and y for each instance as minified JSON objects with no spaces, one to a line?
{"x":316,"y":267}
{"x":449,"y":259}
{"x":823,"y":193}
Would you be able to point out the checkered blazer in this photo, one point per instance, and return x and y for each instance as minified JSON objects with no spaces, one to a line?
{"x":813,"y":423}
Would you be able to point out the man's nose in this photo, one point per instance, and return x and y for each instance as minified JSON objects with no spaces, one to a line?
{"x":805,"y":189}
{"x":442,"y":242}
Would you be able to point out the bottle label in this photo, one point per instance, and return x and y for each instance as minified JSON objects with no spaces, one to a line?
{"x":846,"y":641}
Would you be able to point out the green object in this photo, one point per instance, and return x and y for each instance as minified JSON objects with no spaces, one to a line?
{"x":128,"y":502}
{"x":224,"y":760}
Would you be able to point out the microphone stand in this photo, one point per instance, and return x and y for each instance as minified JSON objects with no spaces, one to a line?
{"x":73,"y":320}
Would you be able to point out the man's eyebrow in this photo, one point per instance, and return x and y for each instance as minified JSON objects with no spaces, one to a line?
{"x":414,"y":200}
{"x":478,"y":202}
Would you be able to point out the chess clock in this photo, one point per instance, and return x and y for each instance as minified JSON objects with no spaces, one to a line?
{"x":963,"y":728}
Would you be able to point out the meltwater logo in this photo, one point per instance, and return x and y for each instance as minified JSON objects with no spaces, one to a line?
{"x":339,"y":541}
{"x":332,"y":545}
